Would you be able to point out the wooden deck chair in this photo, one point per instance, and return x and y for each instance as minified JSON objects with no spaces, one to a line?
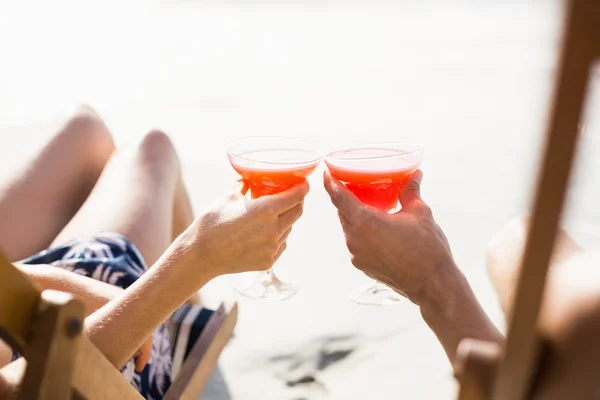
{"x":484,"y":370}
{"x":46,"y":328}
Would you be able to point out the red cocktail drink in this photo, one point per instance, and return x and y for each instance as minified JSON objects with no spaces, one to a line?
{"x":270,"y":178}
{"x":375,"y":188}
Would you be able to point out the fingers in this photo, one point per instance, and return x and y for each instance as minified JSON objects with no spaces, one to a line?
{"x":411,"y":189}
{"x":410,"y":195}
{"x":344,"y":221}
{"x":344,"y":200}
{"x":287,"y":219}
{"x":282,"y":248}
{"x":286,"y":200}
{"x":285,"y":235}
{"x":144,"y":355}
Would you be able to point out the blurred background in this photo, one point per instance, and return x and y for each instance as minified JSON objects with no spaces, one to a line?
{"x":471,"y":80}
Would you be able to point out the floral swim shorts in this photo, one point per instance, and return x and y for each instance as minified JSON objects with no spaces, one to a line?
{"x":111,"y":258}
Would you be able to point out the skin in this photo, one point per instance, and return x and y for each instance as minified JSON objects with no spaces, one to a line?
{"x":409,"y":252}
{"x":233,"y":234}
{"x":152,"y":209}
{"x":569,"y":322}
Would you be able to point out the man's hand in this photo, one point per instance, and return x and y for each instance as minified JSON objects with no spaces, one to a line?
{"x":407,"y":250}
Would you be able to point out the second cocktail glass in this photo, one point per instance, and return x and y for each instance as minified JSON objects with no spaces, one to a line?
{"x":374,"y":173}
{"x":271,"y":165}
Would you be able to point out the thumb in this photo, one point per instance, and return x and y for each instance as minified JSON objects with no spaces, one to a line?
{"x":410,"y":191}
{"x":344,"y":200}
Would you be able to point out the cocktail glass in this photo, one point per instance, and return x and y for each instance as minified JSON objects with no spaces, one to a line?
{"x":271,"y":165}
{"x":374,"y":173}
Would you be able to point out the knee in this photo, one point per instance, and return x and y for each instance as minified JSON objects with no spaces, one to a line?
{"x":503,"y":259}
{"x":85,"y":129}
{"x":504,"y":250}
{"x":157,"y":147}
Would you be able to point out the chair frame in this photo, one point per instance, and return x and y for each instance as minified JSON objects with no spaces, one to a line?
{"x":46,"y":328}
{"x":484,"y":370}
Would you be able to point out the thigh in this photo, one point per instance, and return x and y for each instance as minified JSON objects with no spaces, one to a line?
{"x":133,"y":197}
{"x":44,"y":192}
{"x":183,"y":212}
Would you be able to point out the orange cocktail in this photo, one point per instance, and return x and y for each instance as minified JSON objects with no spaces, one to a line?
{"x":270,"y":177}
{"x":269,"y":166}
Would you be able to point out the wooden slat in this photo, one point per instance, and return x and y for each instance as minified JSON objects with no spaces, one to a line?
{"x":522,"y":346}
{"x":475,"y":368}
{"x":52,"y":350}
{"x":203,"y":358}
{"x":96,"y":378}
{"x":18,"y":299}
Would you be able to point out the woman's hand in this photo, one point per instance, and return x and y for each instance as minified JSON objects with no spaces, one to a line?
{"x":238,"y":235}
{"x":143,"y":355}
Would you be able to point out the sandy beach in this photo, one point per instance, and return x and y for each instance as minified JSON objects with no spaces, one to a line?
{"x":470,"y":82}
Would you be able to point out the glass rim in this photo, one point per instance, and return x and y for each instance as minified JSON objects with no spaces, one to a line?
{"x":317,"y":152}
{"x":419,"y":149}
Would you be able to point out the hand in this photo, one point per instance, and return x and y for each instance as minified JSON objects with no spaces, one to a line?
{"x":239,"y":235}
{"x":407,"y":250}
{"x":143,"y":355}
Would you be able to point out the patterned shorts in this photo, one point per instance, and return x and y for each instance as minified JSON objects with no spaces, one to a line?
{"x":111,"y":258}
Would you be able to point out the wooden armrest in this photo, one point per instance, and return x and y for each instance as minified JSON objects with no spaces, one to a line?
{"x":200,"y":363}
{"x":475,"y":368}
{"x":96,"y":378}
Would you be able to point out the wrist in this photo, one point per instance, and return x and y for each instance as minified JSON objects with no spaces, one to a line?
{"x":193,"y":253}
{"x":444,"y":292}
{"x":453,"y":313}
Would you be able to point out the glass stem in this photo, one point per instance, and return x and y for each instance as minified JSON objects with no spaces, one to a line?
{"x":268,"y":278}
{"x":378,"y":287}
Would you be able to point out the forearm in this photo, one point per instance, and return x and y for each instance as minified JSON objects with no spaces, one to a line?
{"x":119,"y":328}
{"x":453,"y":313}
{"x":91,"y":292}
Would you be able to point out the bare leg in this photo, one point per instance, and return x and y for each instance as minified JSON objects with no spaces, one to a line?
{"x":45,"y":193}
{"x":183,"y":213}
{"x":183,"y":216}
{"x":504,"y":256}
{"x":569,"y":321}
{"x":134,"y":197}
{"x":39,"y":200}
